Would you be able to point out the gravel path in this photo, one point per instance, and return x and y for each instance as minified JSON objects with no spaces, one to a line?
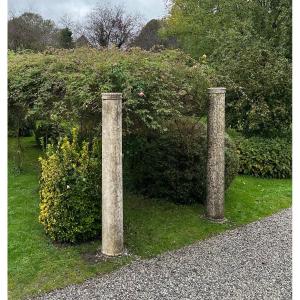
{"x":251,"y":262}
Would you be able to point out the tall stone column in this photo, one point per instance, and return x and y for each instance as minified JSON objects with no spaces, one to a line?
{"x":216,"y":154}
{"x":112,"y":181}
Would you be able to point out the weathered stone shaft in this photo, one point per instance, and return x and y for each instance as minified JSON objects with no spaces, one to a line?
{"x":216,"y":154}
{"x":112,"y":182}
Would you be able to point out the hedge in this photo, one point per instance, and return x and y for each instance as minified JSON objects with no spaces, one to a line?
{"x":64,"y":87}
{"x":262,"y":157}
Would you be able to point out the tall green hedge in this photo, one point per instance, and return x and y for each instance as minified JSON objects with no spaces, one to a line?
{"x":64,"y":87}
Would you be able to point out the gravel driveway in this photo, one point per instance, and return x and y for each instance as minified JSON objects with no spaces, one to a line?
{"x":251,"y":262}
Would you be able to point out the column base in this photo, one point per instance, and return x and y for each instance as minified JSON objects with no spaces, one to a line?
{"x":214,"y":220}
{"x":112,"y":254}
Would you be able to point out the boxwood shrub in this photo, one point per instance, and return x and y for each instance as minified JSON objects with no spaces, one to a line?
{"x":173,"y":165}
{"x":70,"y":191}
{"x":262,"y":157}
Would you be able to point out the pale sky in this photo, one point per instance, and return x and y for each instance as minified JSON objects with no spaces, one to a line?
{"x":77,"y":9}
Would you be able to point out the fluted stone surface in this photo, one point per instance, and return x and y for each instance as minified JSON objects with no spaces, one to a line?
{"x":216,"y":154}
{"x":112,"y":183}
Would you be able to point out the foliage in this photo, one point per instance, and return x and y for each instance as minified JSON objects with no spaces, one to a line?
{"x":272,"y":20}
{"x":259,"y":86}
{"x":47,"y":133}
{"x":249,"y":43}
{"x":70,"y":191}
{"x":65,"y":86}
{"x":21,"y":91}
{"x":199,"y":24}
{"x":26,"y":129}
{"x":173,"y":164}
{"x":271,"y":158}
{"x":65,"y":39}
{"x":31,"y":31}
{"x":196,"y":24}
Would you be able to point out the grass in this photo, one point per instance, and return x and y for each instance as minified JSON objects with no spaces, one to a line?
{"x":151,"y":227}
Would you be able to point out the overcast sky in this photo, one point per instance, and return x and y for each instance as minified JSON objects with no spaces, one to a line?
{"x":77,"y":9}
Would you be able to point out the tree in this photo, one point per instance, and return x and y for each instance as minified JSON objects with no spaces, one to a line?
{"x":198,"y":24}
{"x":149,"y":36}
{"x":31,"y":31}
{"x":108,"y":26}
{"x":259,"y":85}
{"x":249,"y":43}
{"x":65,"y":38}
{"x":272,"y":19}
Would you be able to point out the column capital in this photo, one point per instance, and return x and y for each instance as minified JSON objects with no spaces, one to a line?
{"x":111,"y":96}
{"x":217,"y":90}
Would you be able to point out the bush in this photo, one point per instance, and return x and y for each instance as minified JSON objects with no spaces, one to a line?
{"x":271,"y":158}
{"x":70,"y":191}
{"x":173,"y":165}
{"x":46,"y":133}
{"x":65,"y":86}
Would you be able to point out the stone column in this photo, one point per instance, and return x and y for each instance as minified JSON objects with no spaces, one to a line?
{"x":216,"y":154}
{"x":112,"y":181}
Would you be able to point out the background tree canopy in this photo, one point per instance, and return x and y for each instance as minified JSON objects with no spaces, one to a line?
{"x":198,"y":25}
{"x":104,"y":26}
{"x":249,"y":43}
{"x":31,"y":31}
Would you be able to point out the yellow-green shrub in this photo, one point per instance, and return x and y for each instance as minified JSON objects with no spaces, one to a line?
{"x":70,"y":191}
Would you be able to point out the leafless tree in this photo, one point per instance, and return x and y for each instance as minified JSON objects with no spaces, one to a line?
{"x":76,"y":27}
{"x":107,"y":26}
{"x":11,"y":14}
{"x":66,"y":21}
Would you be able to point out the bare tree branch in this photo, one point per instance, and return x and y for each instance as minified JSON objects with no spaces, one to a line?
{"x":77,"y":29}
{"x":107,"y":26}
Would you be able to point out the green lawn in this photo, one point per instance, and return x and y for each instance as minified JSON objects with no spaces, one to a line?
{"x":151,"y":227}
